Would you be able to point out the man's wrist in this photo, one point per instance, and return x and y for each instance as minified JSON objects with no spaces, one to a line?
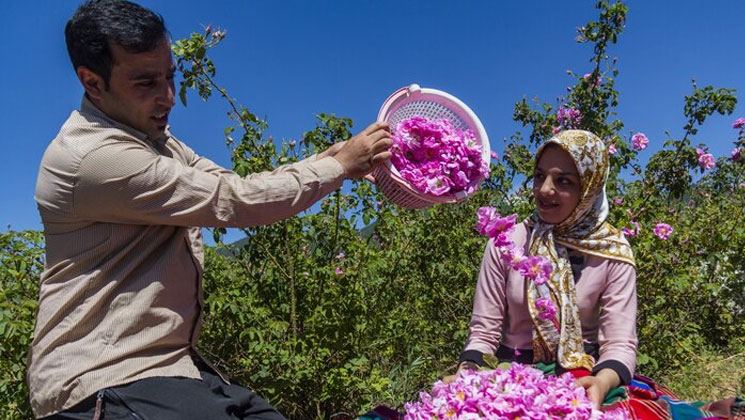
{"x":344,"y":168}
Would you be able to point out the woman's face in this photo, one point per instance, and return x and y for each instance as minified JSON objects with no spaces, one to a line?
{"x":557,"y":187}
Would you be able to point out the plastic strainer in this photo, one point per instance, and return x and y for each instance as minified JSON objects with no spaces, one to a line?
{"x":432,"y":104}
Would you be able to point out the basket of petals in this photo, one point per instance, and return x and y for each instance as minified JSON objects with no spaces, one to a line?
{"x":440,"y":149}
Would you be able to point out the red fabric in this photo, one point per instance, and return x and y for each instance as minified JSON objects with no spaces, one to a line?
{"x":648,"y":409}
{"x":579,"y":372}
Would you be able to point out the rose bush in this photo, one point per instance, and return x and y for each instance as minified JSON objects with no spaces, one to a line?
{"x":361,"y":302}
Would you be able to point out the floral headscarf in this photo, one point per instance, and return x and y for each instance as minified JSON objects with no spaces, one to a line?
{"x":586,"y":230}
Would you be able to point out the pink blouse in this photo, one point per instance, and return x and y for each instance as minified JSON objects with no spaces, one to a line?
{"x":606,"y":295}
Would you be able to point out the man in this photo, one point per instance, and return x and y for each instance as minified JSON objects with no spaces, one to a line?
{"x":120,"y":199}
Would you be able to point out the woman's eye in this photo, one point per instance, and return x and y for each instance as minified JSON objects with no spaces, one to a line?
{"x":146,"y":84}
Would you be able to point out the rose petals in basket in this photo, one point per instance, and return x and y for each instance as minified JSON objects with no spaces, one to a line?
{"x":435,"y":114}
{"x":436,"y":158}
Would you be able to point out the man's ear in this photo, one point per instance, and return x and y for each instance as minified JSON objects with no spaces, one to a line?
{"x":93,"y":84}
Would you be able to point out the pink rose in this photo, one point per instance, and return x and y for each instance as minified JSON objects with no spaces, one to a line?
{"x":639,"y":141}
{"x":736,"y":154}
{"x":705,"y":160}
{"x":663,"y":230}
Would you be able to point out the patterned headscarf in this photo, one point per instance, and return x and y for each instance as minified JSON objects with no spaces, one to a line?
{"x":585,"y":230}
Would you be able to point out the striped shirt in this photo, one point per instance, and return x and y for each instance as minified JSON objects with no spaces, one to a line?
{"x":121,"y":293}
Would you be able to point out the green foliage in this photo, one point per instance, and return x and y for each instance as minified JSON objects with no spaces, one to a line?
{"x":318,"y":343}
{"x":691,"y":287}
{"x":708,"y":375}
{"x":21,"y":263}
{"x":359,"y":302}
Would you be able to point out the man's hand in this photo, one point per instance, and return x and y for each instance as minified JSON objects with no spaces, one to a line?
{"x":333,"y":150}
{"x":363,"y":152}
{"x":597,"y":386}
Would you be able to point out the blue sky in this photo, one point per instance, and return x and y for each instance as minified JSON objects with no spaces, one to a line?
{"x":290,"y":60}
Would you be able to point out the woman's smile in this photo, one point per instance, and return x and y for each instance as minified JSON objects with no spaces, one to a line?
{"x":556,"y":185}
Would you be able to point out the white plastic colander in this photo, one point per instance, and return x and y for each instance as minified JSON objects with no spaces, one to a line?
{"x":432,"y":104}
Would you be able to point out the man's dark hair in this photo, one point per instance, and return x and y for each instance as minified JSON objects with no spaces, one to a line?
{"x":97,"y":24}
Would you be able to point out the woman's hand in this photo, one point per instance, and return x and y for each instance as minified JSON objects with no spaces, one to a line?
{"x":598,"y":386}
{"x":465,"y":365}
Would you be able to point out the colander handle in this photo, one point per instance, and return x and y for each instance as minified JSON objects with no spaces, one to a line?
{"x":401,"y":93}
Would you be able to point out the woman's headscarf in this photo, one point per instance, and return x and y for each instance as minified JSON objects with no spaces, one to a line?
{"x":586,"y":230}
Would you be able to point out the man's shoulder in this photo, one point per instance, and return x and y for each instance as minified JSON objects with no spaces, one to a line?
{"x":175,"y":143}
{"x":83,"y":132}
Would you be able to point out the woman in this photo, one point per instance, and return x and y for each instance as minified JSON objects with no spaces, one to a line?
{"x":592,"y":285}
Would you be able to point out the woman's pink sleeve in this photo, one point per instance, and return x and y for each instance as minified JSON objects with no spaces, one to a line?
{"x":617,"y":323}
{"x":489,"y":304}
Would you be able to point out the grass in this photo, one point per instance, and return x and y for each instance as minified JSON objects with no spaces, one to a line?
{"x":708,"y":376}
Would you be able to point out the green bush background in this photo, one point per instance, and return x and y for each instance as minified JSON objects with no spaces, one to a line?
{"x":279,"y":319}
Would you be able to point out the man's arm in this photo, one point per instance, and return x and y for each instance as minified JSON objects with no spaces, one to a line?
{"x":126,"y":182}
{"x":206,"y":165}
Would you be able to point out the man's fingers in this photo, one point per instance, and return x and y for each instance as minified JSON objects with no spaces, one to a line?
{"x":381,"y":157}
{"x":379,"y":134}
{"x":370,"y":178}
{"x":381,"y":145}
{"x":378,"y":125}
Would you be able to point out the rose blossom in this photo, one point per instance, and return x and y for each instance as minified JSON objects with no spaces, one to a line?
{"x":639,"y":141}
{"x":663,"y":230}
{"x":739,"y":123}
{"x":629,"y":233}
{"x":546,"y":308}
{"x":568,"y":117}
{"x":491,"y":224}
{"x":587,"y":77}
{"x":512,"y":256}
{"x":536,"y":268}
{"x":736,"y":152}
{"x":705,"y":160}
{"x":612,"y":149}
